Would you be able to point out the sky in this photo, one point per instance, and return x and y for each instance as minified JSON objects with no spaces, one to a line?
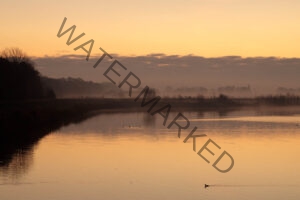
{"x":263,"y":74}
{"x":180,"y":43}
{"x":209,"y":28}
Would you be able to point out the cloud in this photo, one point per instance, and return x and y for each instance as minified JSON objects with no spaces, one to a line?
{"x":161,"y":70}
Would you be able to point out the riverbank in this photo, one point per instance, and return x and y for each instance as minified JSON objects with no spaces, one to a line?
{"x":41,"y":114}
{"x":37,"y":114}
{"x":24,"y":123}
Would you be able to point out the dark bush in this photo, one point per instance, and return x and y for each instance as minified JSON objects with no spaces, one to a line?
{"x":19,"y":79}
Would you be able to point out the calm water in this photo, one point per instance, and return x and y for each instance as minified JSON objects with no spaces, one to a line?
{"x":133,"y":156}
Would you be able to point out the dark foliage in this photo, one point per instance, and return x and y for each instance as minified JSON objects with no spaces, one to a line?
{"x":78,"y":88}
{"x":19,"y":80}
{"x":279,"y":100}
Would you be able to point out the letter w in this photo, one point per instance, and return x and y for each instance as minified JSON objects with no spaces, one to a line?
{"x":72,"y":29}
{"x":154,"y":100}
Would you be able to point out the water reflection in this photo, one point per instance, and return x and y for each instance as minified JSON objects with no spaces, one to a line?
{"x":18,"y":165}
{"x":18,"y":139}
{"x":210,"y":122}
{"x":16,"y":155}
{"x":132,"y":156}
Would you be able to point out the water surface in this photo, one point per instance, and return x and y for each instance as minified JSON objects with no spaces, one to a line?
{"x":133,"y":156}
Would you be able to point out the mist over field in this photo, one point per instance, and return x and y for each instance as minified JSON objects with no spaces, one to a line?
{"x":188,"y":75}
{"x":156,"y":100}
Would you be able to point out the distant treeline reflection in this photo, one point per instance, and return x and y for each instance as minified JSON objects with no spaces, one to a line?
{"x":29,"y":109}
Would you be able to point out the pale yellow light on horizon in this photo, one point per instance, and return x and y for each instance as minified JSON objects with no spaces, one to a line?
{"x":204,"y":28}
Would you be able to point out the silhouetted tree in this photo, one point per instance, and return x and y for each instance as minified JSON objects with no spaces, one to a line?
{"x":15,"y":55}
{"x":19,"y":79}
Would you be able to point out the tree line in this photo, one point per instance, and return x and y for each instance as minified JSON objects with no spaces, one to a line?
{"x":19,"y":80}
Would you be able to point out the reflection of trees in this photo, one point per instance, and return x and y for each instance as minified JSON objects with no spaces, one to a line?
{"x":18,"y":165}
{"x":18,"y":137}
{"x":149,"y":120}
{"x":224,"y":113}
{"x":200,"y":114}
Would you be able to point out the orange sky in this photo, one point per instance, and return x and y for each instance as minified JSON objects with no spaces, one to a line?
{"x":208,"y":28}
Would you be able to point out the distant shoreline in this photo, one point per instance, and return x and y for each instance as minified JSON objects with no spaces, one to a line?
{"x":24,"y":123}
{"x":43,"y":108}
{"x":39,"y":113}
